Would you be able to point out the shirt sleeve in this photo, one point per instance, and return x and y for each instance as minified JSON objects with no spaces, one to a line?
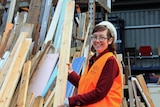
{"x":110,"y":71}
{"x":74,"y":78}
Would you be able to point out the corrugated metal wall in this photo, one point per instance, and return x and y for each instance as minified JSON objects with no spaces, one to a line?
{"x":142,"y":27}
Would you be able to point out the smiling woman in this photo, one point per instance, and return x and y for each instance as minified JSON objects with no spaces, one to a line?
{"x":101,"y":83}
{"x":106,"y":34}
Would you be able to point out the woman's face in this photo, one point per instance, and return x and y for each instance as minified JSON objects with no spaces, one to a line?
{"x":100,"y":41}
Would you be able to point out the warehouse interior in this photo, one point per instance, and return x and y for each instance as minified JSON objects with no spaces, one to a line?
{"x":138,"y":48}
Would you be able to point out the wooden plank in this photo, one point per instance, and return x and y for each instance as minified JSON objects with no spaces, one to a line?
{"x":85,"y":39}
{"x":45,"y":19}
{"x":3,"y":43}
{"x":18,"y":22}
{"x":0,"y":37}
{"x":10,"y":41}
{"x":124,"y":102}
{"x":76,"y":54}
{"x":33,"y":14}
{"x":86,"y":55}
{"x":158,"y":50}
{"x":36,"y":40}
{"x":15,"y":97}
{"x":43,"y":73}
{"x":11,"y":58}
{"x":27,"y":27}
{"x":34,"y":61}
{"x":5,"y":37}
{"x":129,"y":65}
{"x":30,"y":97}
{"x":38,"y":102}
{"x":58,"y":33}
{"x":9,"y":26}
{"x":143,"y":85}
{"x":120,"y":59}
{"x":158,"y":82}
{"x":106,"y":4}
{"x":81,"y":29}
{"x":72,"y":52}
{"x":53,"y":25}
{"x":39,"y":57}
{"x":14,"y":72}
{"x":34,"y":11}
{"x":11,"y":11}
{"x":42,"y":11}
{"x":21,"y":101}
{"x":74,"y":32}
{"x":47,"y":95}
{"x":50,"y":98}
{"x":64,"y":55}
{"x":4,"y":20}
{"x":130,"y":92}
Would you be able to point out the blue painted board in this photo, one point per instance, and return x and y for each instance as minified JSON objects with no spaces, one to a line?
{"x":58,"y":34}
{"x":51,"y":80}
{"x":76,"y":66}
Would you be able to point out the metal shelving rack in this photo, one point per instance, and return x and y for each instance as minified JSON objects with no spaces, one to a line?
{"x":93,"y":6}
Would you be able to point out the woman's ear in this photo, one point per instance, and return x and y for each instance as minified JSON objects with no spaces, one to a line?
{"x":110,"y":40}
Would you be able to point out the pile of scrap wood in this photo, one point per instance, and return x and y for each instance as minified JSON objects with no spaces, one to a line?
{"x":35,"y":46}
{"x":137,"y":90}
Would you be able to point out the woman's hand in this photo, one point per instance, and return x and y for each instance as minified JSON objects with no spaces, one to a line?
{"x":70,"y":70}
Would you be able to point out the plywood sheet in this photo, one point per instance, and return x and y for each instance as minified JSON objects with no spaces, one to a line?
{"x":42,"y":75}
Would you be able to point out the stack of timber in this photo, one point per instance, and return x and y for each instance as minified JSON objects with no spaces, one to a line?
{"x":37,"y":41}
{"x":137,"y":91}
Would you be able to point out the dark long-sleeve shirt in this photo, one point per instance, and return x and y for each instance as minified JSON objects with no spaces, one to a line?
{"x":109,"y":72}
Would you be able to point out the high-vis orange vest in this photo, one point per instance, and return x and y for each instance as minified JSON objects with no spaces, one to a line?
{"x":89,"y":81}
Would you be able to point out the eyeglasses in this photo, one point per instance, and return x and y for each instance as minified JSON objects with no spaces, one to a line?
{"x":94,"y":38}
